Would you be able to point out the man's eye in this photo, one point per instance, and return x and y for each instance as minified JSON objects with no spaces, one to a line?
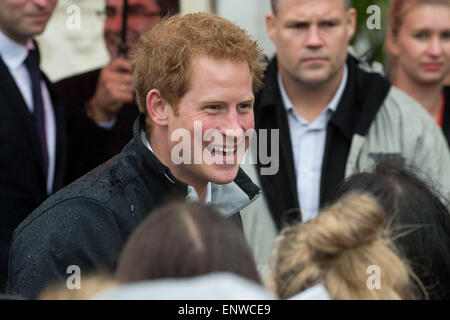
{"x":213,"y":107}
{"x":107,"y":12}
{"x":245,"y":107}
{"x":298,"y":26}
{"x":421,"y":35}
{"x":445,"y":35}
{"x":110,"y":12}
{"x":328,"y":24}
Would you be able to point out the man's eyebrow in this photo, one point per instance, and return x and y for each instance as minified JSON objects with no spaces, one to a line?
{"x":249,"y":100}
{"x":137,"y":6}
{"x":297,"y":20}
{"x":332,"y":20}
{"x":215,"y":101}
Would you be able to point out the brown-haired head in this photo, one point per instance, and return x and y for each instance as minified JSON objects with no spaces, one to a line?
{"x":169,"y":7}
{"x":335,"y":250}
{"x":182,"y":240}
{"x":164,"y":55}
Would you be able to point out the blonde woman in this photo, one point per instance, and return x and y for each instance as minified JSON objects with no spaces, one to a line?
{"x":418,"y":44}
{"x":337,"y":249}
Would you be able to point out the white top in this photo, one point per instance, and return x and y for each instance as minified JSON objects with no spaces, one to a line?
{"x":308,"y":146}
{"x":211,"y":286}
{"x":318,"y":292}
{"x":14,"y":55}
{"x":192,"y":193}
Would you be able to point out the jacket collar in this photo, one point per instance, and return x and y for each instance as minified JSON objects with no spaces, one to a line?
{"x":228,"y":199}
{"x":13,"y":53}
{"x":363,"y":95}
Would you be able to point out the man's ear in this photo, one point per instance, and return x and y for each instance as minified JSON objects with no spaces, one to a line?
{"x":270,"y":26}
{"x":157,"y":108}
{"x":351,"y":23}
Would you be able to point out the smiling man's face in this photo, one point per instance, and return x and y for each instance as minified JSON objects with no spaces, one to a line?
{"x":220,"y":98}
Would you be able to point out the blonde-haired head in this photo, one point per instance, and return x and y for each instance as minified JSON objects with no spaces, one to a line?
{"x":336,"y":249}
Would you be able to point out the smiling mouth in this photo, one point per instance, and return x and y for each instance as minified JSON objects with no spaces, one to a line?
{"x":222,"y":150}
{"x":223,"y":155}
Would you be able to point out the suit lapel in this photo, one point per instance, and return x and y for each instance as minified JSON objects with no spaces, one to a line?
{"x":8,"y":87}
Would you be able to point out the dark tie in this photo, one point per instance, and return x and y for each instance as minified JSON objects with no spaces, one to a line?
{"x":32,"y":64}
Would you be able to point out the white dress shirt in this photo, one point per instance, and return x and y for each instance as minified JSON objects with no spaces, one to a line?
{"x":308,"y":146}
{"x":192,"y":193}
{"x":13,"y":55}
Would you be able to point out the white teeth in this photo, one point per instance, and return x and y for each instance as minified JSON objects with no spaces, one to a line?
{"x":226,"y":150}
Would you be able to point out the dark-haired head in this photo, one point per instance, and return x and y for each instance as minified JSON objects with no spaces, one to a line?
{"x":420,"y":220}
{"x":182,"y":240}
{"x":169,"y":7}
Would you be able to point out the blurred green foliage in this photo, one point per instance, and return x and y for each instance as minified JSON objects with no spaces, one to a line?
{"x":370,"y":42}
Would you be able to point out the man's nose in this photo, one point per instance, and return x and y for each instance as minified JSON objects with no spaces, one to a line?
{"x":313,"y":38}
{"x":231,"y":126}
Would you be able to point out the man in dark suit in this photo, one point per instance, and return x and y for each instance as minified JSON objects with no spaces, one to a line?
{"x":100,"y":104}
{"x":32,"y":131}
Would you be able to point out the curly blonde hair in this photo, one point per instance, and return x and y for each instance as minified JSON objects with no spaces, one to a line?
{"x":335,"y":250}
{"x":164,"y":54}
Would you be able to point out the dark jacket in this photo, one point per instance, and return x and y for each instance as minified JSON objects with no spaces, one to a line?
{"x":87,"y":223}
{"x":363,"y":96}
{"x":89,"y":145}
{"x":23,"y":184}
{"x":446,"y":119}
